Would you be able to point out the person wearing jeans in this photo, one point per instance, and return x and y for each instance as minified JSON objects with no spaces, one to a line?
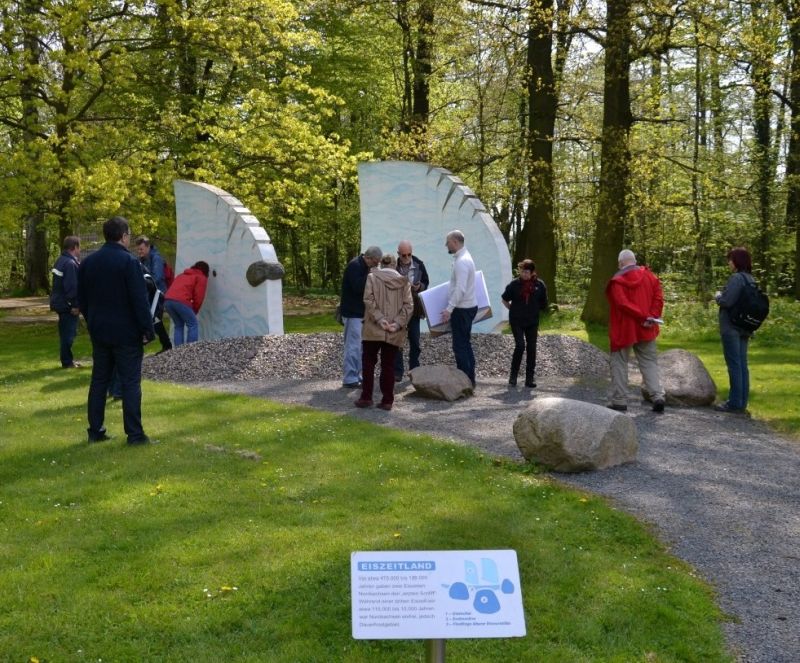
{"x":462,"y":306}
{"x":734,"y":339}
{"x":183,"y":301}
{"x":351,"y":303}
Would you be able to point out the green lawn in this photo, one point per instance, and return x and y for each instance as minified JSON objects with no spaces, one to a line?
{"x":230,"y":539}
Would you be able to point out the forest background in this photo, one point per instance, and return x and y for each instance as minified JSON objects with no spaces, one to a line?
{"x":669,"y":127}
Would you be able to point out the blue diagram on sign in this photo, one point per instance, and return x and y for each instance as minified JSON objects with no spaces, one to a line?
{"x":484,"y":586}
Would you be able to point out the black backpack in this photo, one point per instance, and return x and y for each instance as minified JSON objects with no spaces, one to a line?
{"x":751,"y":309}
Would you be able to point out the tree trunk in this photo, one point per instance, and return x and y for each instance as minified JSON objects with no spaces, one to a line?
{"x":423,"y":65}
{"x":36,"y":272}
{"x":36,"y":267}
{"x":537,"y":239}
{"x":793,"y":156}
{"x":700,"y":229}
{"x":615,"y":160}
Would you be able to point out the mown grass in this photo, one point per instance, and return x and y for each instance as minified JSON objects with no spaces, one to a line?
{"x":230,"y":539}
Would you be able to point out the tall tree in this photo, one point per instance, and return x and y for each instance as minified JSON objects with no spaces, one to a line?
{"x":615,"y":159}
{"x":537,"y":238}
{"x":791,"y":11}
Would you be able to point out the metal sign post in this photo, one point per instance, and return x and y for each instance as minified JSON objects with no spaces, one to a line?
{"x":434,"y":651}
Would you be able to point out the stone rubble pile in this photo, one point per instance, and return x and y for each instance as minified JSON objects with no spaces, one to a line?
{"x":319,"y":357}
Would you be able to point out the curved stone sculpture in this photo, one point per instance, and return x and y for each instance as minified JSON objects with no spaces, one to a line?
{"x":215,"y":227}
{"x":422,"y":203}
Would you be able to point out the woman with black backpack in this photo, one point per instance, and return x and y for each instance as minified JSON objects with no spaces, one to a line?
{"x":735,"y":338}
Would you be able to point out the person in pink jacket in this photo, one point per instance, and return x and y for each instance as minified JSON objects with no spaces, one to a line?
{"x":183,"y":301}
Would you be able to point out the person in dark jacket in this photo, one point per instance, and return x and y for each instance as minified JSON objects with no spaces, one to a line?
{"x":183,"y":301}
{"x":734,"y":339}
{"x":413,"y":269}
{"x":155,"y":266}
{"x":64,"y":297}
{"x":354,"y":280}
{"x":152,"y":261}
{"x":636,"y":302}
{"x":525,"y":298}
{"x":113,"y":300}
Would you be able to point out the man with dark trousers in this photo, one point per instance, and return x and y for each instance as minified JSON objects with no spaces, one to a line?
{"x":113,"y":300}
{"x":462,"y":306}
{"x":154,"y":264}
{"x":414,"y":270}
{"x":64,"y":297}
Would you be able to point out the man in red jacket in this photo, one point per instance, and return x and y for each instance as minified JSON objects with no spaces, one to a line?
{"x":636,"y":301}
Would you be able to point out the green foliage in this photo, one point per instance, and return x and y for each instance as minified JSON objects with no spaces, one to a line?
{"x":230,"y":539}
{"x":103,"y":106}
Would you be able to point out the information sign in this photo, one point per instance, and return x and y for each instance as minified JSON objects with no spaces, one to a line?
{"x":436,"y":595}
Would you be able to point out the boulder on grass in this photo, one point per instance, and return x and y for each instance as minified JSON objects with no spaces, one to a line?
{"x":440,"y":382}
{"x":573,"y":436}
{"x":685,"y":379}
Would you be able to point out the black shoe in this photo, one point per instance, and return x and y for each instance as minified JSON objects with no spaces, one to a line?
{"x":163,"y":350}
{"x":725,"y":407}
{"x":103,"y":437}
{"x":658,"y":406}
{"x":352,"y":385}
{"x":530,"y":384}
{"x":512,"y":382}
{"x":139,"y":440}
{"x":618,"y":408}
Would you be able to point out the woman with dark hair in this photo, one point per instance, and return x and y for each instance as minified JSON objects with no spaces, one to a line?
{"x":735,"y":339}
{"x":183,"y":301}
{"x":525,"y":297}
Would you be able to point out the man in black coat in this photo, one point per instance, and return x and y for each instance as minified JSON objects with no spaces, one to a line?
{"x":64,"y":297}
{"x":414,"y":269}
{"x":354,"y":281}
{"x":113,"y":300}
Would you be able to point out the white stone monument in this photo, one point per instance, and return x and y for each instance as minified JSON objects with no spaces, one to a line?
{"x":245,"y":290}
{"x":422,"y":203}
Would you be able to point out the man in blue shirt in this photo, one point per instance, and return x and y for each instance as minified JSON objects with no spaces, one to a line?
{"x":113,"y":299}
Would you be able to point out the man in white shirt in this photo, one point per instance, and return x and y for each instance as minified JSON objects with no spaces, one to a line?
{"x":461,"y":303}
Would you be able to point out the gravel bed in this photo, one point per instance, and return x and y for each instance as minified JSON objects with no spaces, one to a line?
{"x":721,"y":491}
{"x":319,"y":357}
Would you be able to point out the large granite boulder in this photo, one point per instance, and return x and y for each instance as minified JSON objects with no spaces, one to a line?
{"x":573,"y":436}
{"x":441,"y":382}
{"x":685,"y":379}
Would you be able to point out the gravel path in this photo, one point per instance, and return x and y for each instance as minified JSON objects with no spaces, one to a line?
{"x":722,"y":491}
